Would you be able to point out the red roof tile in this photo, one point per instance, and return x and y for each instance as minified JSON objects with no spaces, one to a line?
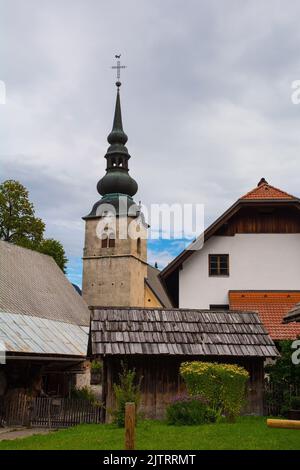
{"x":271,"y":306}
{"x":266,"y":191}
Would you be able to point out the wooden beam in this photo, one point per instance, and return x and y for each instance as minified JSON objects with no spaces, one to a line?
{"x":283,"y":423}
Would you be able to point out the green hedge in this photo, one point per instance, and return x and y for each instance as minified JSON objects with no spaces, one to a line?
{"x":222,"y":385}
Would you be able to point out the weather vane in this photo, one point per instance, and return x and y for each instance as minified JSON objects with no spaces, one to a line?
{"x":118,"y":67}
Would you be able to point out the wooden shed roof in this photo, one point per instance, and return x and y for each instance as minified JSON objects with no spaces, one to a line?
{"x":121,"y":331}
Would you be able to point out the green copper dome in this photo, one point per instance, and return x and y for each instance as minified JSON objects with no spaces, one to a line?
{"x":117,"y":181}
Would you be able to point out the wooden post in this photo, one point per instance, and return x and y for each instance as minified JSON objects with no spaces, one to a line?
{"x":104,"y":392}
{"x":129,"y":426}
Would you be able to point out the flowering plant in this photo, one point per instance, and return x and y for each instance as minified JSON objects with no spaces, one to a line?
{"x":222,"y":385}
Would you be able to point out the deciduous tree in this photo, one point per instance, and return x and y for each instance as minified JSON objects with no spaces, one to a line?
{"x":19,"y":225}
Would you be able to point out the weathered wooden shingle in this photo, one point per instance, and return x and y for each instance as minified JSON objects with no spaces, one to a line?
{"x":179,"y":332}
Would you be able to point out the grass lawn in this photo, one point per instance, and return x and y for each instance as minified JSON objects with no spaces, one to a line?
{"x":247,"y":433}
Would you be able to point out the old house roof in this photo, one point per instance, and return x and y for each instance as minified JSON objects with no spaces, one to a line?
{"x":265,"y":191}
{"x":154,"y":282}
{"x":32,"y":284}
{"x":34,"y":335}
{"x":179,"y":332}
{"x":293,"y":315}
{"x":271,"y":306}
{"x":40,"y":311}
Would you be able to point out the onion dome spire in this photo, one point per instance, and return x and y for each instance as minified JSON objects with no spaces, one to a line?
{"x":116,"y":182}
{"x":117,"y":134}
{"x":117,"y":179}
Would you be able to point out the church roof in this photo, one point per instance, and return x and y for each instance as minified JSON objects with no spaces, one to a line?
{"x":271,"y":307}
{"x":120,"y":331}
{"x":32,"y":284}
{"x":154,"y":282}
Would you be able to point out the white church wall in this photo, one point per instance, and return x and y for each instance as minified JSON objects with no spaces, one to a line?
{"x":256,"y":261}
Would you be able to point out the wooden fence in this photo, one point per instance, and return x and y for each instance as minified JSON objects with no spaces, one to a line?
{"x":274,"y":397}
{"x":23,"y":410}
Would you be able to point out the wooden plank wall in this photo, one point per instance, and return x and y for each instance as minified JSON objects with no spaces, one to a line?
{"x":161,"y":381}
{"x":250,"y":220}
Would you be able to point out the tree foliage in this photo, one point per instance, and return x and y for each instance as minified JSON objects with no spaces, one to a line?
{"x":19,"y":225}
{"x":283,"y":372}
{"x":284,"y":379}
{"x":18,"y":222}
{"x":55,"y":249}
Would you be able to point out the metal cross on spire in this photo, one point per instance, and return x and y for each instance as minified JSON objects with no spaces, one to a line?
{"x":118,"y":67}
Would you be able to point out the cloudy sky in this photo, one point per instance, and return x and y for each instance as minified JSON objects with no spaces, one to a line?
{"x":206,"y":102}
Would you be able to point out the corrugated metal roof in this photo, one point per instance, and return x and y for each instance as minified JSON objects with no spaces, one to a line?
{"x":28,"y":334}
{"x":186,"y":332}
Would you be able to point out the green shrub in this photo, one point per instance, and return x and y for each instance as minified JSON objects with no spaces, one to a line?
{"x":284,"y":380}
{"x":96,"y":366}
{"x":222,"y":385}
{"x":185,"y":410}
{"x":295,"y":403}
{"x":84,"y":393}
{"x":126,"y":391}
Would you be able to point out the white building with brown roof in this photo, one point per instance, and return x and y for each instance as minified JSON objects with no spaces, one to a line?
{"x":251,"y":251}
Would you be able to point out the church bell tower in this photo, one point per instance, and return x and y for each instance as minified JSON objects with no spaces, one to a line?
{"x":115,"y":249}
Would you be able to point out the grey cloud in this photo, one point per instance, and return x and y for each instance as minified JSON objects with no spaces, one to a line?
{"x":205,"y":98}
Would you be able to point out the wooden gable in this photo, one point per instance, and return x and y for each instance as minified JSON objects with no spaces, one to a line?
{"x":262,"y":219}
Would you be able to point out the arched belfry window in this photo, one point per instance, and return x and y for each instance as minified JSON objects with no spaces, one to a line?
{"x":108,"y":238}
{"x":111,"y":240}
{"x":108,"y":241}
{"x":104,"y":241}
{"x":138,"y":246}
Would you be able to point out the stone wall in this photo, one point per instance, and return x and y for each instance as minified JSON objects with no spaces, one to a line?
{"x":114,"y":276}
